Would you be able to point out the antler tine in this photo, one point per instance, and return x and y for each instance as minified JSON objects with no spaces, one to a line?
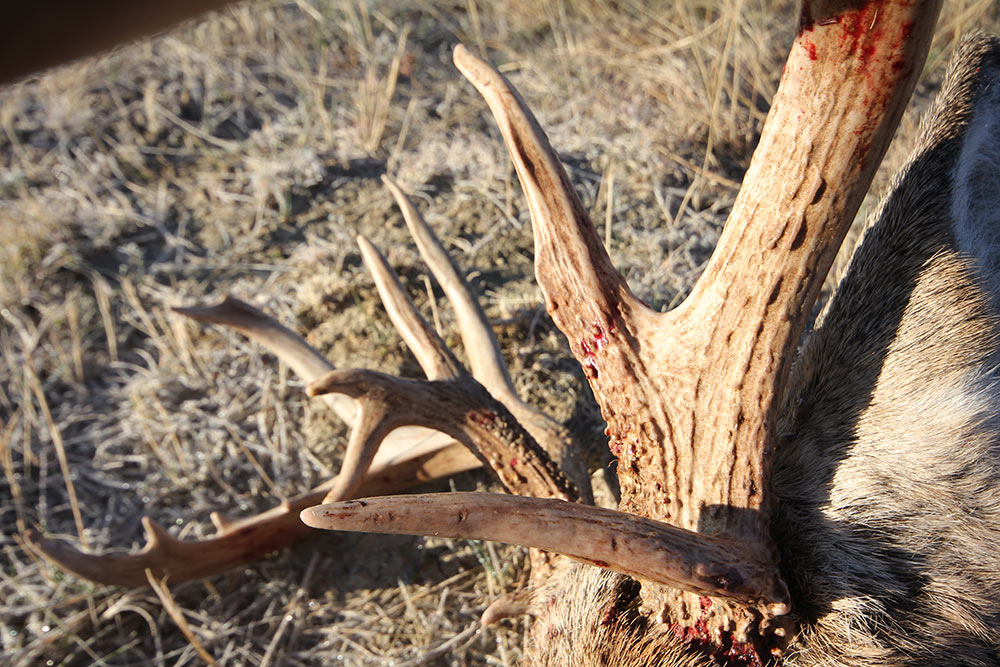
{"x":377,"y":417}
{"x":238,"y":542}
{"x":432,"y":354}
{"x":291,"y":348}
{"x":570,"y":257}
{"x":485,"y":360}
{"x":622,"y":542}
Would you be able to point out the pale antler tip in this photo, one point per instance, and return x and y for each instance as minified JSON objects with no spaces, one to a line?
{"x":365,"y":244}
{"x":318,"y":516}
{"x":461,"y":52}
{"x":156,"y":534}
{"x":507,"y":606}
{"x":342,"y":515}
{"x":395,"y":191}
{"x":470,"y":65}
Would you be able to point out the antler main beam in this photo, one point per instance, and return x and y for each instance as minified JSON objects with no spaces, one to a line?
{"x":723,"y":353}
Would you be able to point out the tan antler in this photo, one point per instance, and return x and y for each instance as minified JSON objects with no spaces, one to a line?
{"x":241,"y":541}
{"x":733,"y":337}
{"x":450,"y":401}
{"x":690,"y":396}
{"x":409,"y":456}
{"x":632,"y":545}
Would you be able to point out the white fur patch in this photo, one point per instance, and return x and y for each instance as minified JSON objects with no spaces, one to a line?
{"x":975,"y":203}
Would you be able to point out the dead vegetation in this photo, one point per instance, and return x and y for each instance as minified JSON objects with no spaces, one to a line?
{"x":241,"y":154}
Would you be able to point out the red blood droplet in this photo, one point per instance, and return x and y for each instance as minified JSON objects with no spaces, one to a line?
{"x":810,"y":49}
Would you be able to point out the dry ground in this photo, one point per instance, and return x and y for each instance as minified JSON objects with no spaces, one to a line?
{"x":241,"y":154}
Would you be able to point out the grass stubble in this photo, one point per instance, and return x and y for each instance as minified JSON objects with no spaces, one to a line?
{"x":240,"y":154}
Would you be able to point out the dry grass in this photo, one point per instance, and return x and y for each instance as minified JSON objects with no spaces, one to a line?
{"x":241,"y":154}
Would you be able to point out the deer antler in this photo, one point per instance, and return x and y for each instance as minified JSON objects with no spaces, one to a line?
{"x":242,"y":541}
{"x":450,"y":400}
{"x":485,"y":361}
{"x":690,"y":396}
{"x":409,"y":456}
{"x":622,"y":542}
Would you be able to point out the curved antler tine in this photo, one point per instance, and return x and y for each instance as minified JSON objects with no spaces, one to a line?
{"x":433,"y":355}
{"x":241,"y":541}
{"x":571,"y":262}
{"x":257,"y":325}
{"x":515,"y":603}
{"x":623,"y":542}
{"x":460,"y":407}
{"x":485,"y":360}
{"x":375,"y":421}
{"x":481,"y":346}
{"x":291,"y":348}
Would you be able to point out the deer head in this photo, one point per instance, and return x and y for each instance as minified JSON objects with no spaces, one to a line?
{"x":822,"y":499}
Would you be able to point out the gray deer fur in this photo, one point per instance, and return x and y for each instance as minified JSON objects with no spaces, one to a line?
{"x":888,"y":470}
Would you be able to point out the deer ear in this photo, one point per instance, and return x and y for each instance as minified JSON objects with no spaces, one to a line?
{"x":975,"y":201}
